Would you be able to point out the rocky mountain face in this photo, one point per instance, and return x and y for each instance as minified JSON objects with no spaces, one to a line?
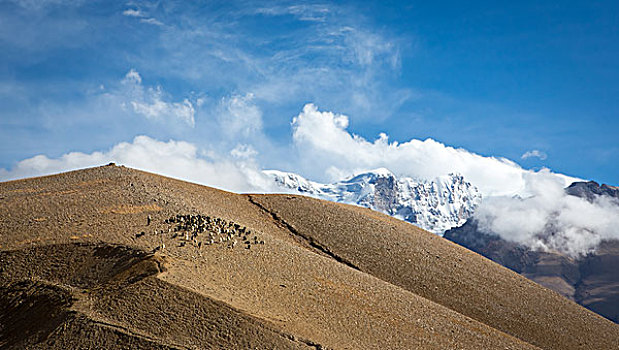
{"x":591,"y":280}
{"x":589,"y":190}
{"x":437,"y":205}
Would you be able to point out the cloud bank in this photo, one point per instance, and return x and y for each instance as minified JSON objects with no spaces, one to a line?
{"x":323,"y":150}
{"x":550,"y":219}
{"x":176,"y":159}
{"x":335,"y":152}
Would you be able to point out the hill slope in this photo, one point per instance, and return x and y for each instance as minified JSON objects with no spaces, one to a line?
{"x":125,"y":259}
{"x":591,"y":280}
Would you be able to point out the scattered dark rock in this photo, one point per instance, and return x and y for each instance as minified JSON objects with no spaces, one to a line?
{"x":591,"y":190}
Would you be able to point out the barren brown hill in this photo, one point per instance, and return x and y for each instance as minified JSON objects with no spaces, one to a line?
{"x":112,"y":257}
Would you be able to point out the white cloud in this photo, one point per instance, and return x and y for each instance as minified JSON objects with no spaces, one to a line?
{"x":520,"y":205}
{"x":242,"y":151}
{"x":366,"y":49}
{"x":144,"y":18}
{"x":239,"y":117}
{"x":152,"y":21}
{"x":159,"y":109}
{"x":40,"y":4}
{"x":534,"y":154}
{"x":176,"y":159}
{"x":334,"y":56}
{"x":149,"y":102}
{"x":326,"y":146}
{"x":132,"y":77}
{"x":550,"y":219}
{"x":305,"y":12}
{"x":133,"y":13}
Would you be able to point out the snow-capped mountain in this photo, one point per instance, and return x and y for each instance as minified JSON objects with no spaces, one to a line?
{"x":436,"y":205}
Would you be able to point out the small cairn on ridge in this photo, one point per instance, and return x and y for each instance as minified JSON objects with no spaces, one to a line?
{"x":203,"y":230}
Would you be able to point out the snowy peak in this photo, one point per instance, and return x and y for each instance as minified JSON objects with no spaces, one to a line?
{"x":435,"y":205}
{"x":371,"y":175}
{"x":294,"y":182}
{"x":377,"y":189}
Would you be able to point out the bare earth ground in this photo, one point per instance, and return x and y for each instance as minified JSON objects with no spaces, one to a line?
{"x":89,"y":260}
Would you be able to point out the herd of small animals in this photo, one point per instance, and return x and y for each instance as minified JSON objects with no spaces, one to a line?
{"x":203,"y":230}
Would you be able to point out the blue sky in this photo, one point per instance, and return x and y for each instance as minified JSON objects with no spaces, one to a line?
{"x":526,"y":78}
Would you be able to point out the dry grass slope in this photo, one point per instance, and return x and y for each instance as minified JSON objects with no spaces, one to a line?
{"x":88,"y":259}
{"x":445,"y":273}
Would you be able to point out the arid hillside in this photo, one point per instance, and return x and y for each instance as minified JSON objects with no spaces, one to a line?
{"x":591,"y":280}
{"x":112,"y":257}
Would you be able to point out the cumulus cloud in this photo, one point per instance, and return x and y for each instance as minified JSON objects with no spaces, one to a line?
{"x":323,"y":141}
{"x":534,"y":154}
{"x":149,"y":101}
{"x":550,"y":219}
{"x":176,"y":159}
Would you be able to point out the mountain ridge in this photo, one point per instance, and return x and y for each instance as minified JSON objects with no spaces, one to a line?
{"x":434,"y":205}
